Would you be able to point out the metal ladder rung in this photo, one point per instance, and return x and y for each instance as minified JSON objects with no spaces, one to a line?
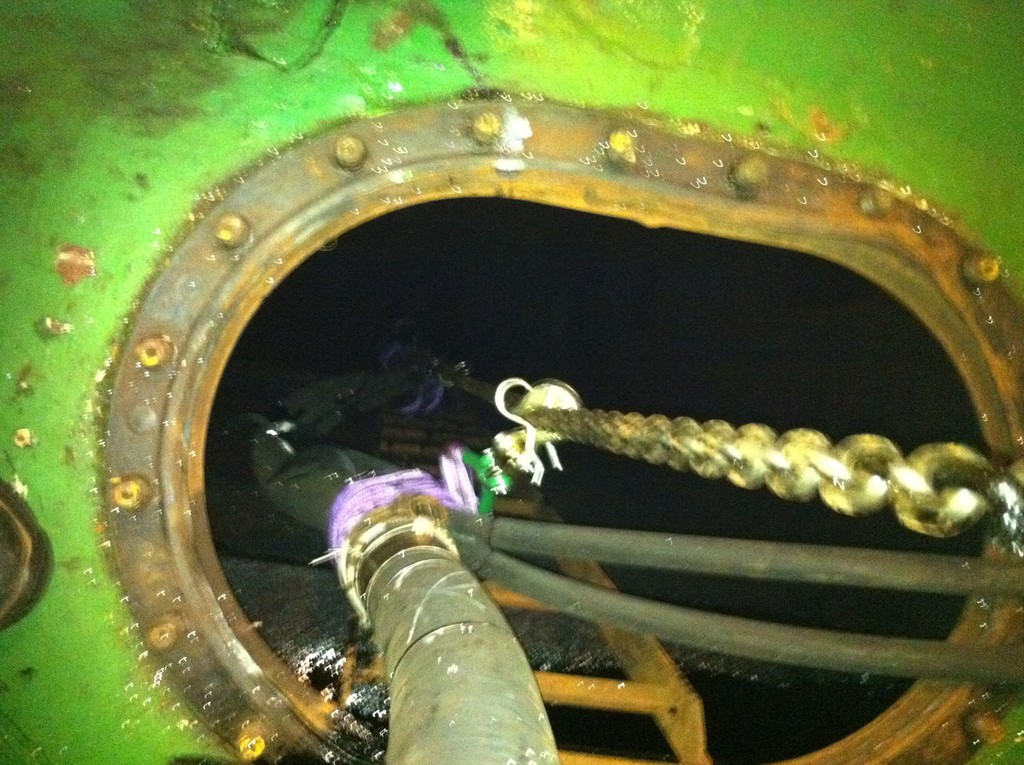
{"x":582,"y":758}
{"x":510,"y":599}
{"x":600,"y":693}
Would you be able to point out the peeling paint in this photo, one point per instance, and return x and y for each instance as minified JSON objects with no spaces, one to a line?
{"x":74,"y":263}
{"x":393,"y":28}
{"x":824,"y":128}
{"x":24,"y":438}
{"x":23,"y":384}
{"x":818,"y":124}
{"x":268,"y":33}
{"x":51,"y":327}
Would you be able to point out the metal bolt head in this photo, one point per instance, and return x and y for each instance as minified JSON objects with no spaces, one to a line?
{"x":142,"y":419}
{"x":622,"y":147}
{"x":486,"y":128}
{"x":982,"y":269}
{"x":875,"y":202}
{"x":163,"y":636}
{"x":154,"y":351}
{"x":251,"y":746}
{"x":350,"y":152}
{"x":748,"y":175}
{"x":232,"y":230}
{"x":129,"y":492}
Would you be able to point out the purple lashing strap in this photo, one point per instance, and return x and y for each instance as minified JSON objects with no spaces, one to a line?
{"x":427,"y":401}
{"x":365,"y":495}
{"x":457,"y":479}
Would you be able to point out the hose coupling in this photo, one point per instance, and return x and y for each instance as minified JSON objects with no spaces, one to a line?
{"x":380,"y":516}
{"x":410,"y":521}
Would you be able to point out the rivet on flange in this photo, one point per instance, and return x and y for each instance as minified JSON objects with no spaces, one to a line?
{"x":129,"y":492}
{"x":747,"y":176}
{"x":350,"y":152}
{"x":163,"y":635}
{"x":232,"y":230}
{"x":154,"y":351}
{"x":143,"y":419}
{"x":985,"y":726}
{"x":486,"y":128}
{"x":622,"y":148}
{"x":251,"y":746}
{"x":875,"y":202}
{"x":982,"y":269}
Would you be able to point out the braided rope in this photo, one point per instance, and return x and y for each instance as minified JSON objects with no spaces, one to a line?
{"x":938,"y":489}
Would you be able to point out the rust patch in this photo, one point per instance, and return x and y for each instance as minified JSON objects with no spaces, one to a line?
{"x":823,"y":128}
{"x":400,"y":24}
{"x":23,"y":383}
{"x":818,"y":124}
{"x":75,"y":263}
{"x":393,"y":28}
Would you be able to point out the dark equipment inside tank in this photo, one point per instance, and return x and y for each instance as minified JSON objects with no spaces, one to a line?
{"x":636,"y":319}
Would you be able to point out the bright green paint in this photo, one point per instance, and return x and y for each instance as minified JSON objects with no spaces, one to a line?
{"x":924,"y":92}
{"x":70,"y":175}
{"x":1010,"y":750}
{"x":118,"y":114}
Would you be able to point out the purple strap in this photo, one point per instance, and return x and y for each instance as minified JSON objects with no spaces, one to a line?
{"x":457,"y":479}
{"x":363,"y":496}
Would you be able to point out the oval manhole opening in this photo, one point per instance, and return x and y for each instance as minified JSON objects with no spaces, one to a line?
{"x":637,"y":319}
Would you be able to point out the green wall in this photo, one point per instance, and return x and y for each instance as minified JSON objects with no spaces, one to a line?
{"x":118,"y":116}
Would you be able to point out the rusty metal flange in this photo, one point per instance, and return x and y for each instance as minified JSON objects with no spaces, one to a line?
{"x":680,"y":176}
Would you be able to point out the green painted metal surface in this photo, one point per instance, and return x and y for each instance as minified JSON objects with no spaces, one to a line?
{"x":120,"y":115}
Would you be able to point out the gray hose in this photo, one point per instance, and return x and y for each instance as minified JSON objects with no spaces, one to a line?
{"x":763,"y":641}
{"x":915,"y":572}
{"x":462,"y":690}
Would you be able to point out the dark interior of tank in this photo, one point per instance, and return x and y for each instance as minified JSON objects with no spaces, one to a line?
{"x":635,"y":319}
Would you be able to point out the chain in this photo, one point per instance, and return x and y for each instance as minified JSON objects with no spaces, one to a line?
{"x":938,"y":489}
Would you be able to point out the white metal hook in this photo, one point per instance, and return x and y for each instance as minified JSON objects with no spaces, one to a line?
{"x":530,"y":455}
{"x":499,"y":402}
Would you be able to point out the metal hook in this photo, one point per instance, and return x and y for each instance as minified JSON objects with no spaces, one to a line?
{"x":530,"y":461}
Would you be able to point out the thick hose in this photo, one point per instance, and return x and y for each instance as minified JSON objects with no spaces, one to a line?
{"x":462,"y":690}
{"x":763,"y":641}
{"x":915,"y":572}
